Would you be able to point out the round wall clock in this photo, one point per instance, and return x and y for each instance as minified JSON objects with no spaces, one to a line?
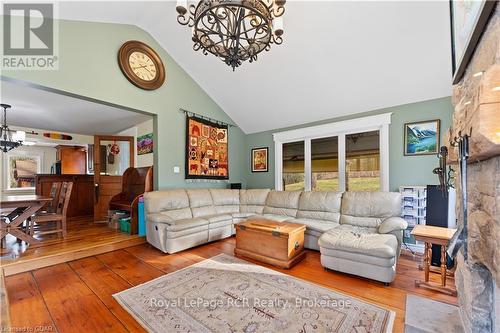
{"x":141,"y":65}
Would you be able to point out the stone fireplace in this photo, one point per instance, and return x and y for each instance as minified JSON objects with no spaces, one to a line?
{"x":476,"y":99}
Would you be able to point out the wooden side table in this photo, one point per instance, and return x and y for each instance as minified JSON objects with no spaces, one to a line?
{"x":438,"y":236}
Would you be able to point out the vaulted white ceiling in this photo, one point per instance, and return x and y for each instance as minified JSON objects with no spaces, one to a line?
{"x":338,"y":58}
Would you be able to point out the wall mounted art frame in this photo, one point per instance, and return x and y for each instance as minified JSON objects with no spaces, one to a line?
{"x":145,"y":144}
{"x":207,"y":149}
{"x":260,"y":159}
{"x":468,"y":21}
{"x":422,"y":137}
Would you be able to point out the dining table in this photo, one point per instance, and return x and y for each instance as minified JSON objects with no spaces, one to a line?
{"x":20,"y":208}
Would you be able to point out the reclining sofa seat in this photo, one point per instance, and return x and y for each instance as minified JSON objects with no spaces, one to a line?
{"x":320,"y":212}
{"x":170,"y":225}
{"x":202,"y":206}
{"x":368,"y":240}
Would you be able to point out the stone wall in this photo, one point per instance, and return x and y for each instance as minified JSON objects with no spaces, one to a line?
{"x":476,"y":99}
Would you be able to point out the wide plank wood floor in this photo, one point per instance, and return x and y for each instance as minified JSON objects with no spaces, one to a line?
{"x":77,"y":296}
{"x":84,"y":238}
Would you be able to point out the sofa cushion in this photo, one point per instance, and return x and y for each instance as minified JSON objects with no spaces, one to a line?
{"x":174,"y":204}
{"x":369,"y":209}
{"x":201,"y":202}
{"x":392,"y":224}
{"x":179,"y":225}
{"x":359,"y":240}
{"x":253,"y":201}
{"x":320,"y":205}
{"x":226,"y":201}
{"x":365,"y":258}
{"x":200,"y":232}
{"x":241,"y":215}
{"x":274,"y":217}
{"x":218,"y":218}
{"x":316,"y":225}
{"x":282,"y":203}
{"x":223,"y":197}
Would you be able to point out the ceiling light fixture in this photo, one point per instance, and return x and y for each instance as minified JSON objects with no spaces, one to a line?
{"x":233,"y":30}
{"x":497,"y":88}
{"x":9,"y":139}
{"x":478,"y":74}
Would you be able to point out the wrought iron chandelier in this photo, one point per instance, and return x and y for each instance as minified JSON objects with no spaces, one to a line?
{"x":9,"y":139}
{"x":233,"y":30}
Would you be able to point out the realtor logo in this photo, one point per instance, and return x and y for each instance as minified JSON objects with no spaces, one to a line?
{"x":29,"y":33}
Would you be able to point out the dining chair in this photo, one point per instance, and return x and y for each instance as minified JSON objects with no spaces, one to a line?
{"x":57,"y":216}
{"x":51,"y":207}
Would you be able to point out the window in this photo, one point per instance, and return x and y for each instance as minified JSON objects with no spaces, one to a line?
{"x":293,"y":166}
{"x":21,"y":170}
{"x":363,"y":161}
{"x":325,"y":164}
{"x":350,"y":155}
{"x":115,"y":157}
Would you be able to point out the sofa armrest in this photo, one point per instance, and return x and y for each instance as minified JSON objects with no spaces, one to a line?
{"x":392,"y":224}
{"x":160,"y":218}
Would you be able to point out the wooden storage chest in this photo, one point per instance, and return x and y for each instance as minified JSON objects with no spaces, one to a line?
{"x":277,"y":243}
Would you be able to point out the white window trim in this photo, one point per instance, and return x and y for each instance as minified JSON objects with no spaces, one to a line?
{"x":340,"y":129}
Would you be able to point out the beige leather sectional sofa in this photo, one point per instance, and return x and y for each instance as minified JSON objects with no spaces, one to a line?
{"x":357,"y":232}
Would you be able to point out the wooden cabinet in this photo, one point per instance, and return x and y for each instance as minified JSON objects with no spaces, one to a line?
{"x":81,"y":202}
{"x":73,"y":159}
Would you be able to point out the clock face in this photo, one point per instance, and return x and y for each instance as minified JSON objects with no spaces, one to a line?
{"x":142,"y":66}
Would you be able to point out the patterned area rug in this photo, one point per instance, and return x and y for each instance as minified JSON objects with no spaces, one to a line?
{"x":226,"y":294}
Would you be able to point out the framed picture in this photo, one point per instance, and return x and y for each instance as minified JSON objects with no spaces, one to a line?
{"x":21,"y":170}
{"x":145,"y":144}
{"x":422,"y":138}
{"x":260,"y":159}
{"x":206,"y":149}
{"x":468,"y":21}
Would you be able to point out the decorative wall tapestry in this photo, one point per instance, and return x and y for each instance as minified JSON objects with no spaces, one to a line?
{"x":145,"y":144}
{"x":206,"y":149}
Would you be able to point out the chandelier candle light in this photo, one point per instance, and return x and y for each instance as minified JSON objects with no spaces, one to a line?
{"x":233,"y":30}
{"x":9,"y":139}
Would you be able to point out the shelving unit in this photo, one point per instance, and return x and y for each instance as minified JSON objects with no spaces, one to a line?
{"x":413,"y":211}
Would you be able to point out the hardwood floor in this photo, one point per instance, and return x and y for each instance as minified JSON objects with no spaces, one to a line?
{"x":77,"y":296}
{"x":83,"y":239}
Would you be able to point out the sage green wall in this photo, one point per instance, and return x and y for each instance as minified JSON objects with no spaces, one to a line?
{"x":88,"y":67}
{"x":404,"y":170}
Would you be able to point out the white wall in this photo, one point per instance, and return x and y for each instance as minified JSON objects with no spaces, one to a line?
{"x":141,"y":129}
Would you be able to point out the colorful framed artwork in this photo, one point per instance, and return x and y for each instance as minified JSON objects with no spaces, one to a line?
{"x":260,"y":159}
{"x":145,"y":144}
{"x":422,"y":138}
{"x":468,"y":21}
{"x":207,"y":149}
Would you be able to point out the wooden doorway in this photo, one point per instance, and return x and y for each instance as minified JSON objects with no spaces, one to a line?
{"x":112,"y":156}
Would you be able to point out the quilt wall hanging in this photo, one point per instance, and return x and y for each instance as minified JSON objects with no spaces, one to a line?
{"x":206,"y":149}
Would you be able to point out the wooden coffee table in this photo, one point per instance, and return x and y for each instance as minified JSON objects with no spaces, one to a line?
{"x":277,"y":243}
